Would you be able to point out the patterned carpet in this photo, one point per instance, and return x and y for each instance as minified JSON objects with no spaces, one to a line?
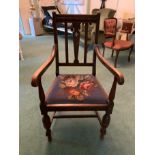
{"x":74,"y":136}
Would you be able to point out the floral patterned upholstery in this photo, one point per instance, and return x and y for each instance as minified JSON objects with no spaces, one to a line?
{"x":110,"y":26}
{"x":119,"y":44}
{"x":76,"y":89}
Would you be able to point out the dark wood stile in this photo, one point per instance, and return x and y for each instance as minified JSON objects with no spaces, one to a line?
{"x":86,"y":46}
{"x":66,"y":43}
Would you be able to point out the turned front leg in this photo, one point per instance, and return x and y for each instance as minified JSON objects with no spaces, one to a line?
{"x":47,"y":124}
{"x":105,"y":124}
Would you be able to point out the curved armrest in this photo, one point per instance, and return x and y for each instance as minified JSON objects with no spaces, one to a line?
{"x":40,"y":71}
{"x":114,"y":71}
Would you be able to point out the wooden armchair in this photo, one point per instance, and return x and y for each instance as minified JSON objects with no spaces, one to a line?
{"x":75,"y":92}
{"x":110,"y":30}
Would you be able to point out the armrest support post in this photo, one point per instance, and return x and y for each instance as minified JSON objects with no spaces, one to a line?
{"x":41,"y":92}
{"x":113,"y":90}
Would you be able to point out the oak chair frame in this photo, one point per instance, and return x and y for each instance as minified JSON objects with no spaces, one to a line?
{"x":37,"y":76}
{"x":113,"y":42}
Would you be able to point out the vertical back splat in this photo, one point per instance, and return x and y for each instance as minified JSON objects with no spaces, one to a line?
{"x":76,"y":39}
{"x":85,"y":46}
{"x":66,"y":42}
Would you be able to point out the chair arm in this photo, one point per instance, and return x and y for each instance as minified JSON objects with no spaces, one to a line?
{"x":40,"y":71}
{"x":114,"y":71}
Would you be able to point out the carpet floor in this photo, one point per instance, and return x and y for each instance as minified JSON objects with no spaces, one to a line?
{"x":74,"y":136}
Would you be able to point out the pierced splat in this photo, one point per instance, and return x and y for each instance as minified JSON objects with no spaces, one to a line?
{"x":76,"y":39}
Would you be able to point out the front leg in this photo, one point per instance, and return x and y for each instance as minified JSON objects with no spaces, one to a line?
{"x":47,"y":124}
{"x":105,"y":124}
{"x":106,"y":120}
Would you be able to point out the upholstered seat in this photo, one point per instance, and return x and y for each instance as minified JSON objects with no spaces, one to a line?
{"x":119,"y":44}
{"x":76,"y":89}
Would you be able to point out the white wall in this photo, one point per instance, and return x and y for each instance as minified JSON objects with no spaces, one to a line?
{"x":94,"y":4}
{"x":24,"y":8}
{"x":126,"y":9}
{"x":112,"y":4}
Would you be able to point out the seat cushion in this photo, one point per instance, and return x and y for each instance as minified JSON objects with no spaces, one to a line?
{"x":119,"y":44}
{"x":76,"y":89}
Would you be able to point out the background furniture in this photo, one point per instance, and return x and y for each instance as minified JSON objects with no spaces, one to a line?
{"x":75,"y":92}
{"x":104,"y":13}
{"x":110,"y":29}
{"x":47,"y":21}
{"x":129,"y":26}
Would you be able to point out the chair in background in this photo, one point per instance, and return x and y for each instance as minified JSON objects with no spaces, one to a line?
{"x":75,"y":92}
{"x":110,"y":30}
{"x":104,"y":13}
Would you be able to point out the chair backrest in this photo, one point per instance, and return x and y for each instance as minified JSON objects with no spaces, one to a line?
{"x":110,"y":27}
{"x":73,"y":23}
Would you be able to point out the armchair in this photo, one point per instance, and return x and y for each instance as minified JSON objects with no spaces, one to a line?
{"x":110,"y":27}
{"x":75,"y":92}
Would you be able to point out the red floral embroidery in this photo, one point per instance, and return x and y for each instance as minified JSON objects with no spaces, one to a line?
{"x":87,"y":85}
{"x":74,"y":92}
{"x":77,"y":86}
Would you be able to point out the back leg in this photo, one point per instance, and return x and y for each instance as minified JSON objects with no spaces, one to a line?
{"x":115,"y":63}
{"x":103,"y":49}
{"x":112,"y":53}
{"x":131,"y":49}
